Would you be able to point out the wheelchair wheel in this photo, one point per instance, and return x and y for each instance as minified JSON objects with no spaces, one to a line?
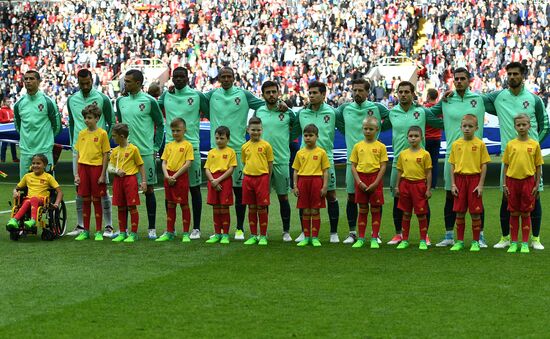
{"x":14,"y":235}
{"x":57,"y":222}
{"x":47,"y":234}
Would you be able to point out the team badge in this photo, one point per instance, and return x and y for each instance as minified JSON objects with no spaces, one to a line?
{"x":94,"y":103}
{"x":473,"y":103}
{"x":237,"y":101}
{"x":529,"y":150}
{"x":525,"y":104}
{"x":96,"y":139}
{"x":141,"y":107}
{"x":126,"y":155}
{"x":374,"y":151}
{"x":190,"y":101}
{"x":326,"y":118}
{"x":474,"y":148}
{"x":281,"y":117}
{"x":418,"y":159}
{"x":370,"y":113}
{"x":260,"y":149}
{"x":40,"y":107}
{"x":42,"y":181}
{"x":416,"y":115}
{"x":225,"y":156}
{"x":315,"y":157}
{"x":182,"y":149}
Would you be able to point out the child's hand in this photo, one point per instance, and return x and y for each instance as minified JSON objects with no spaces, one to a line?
{"x":16,"y":194}
{"x":428,"y":194}
{"x":296,"y":191}
{"x":323,"y":192}
{"x":535,"y":191}
{"x":143,"y":186}
{"x":215,"y":183}
{"x":218,"y":187}
{"x":171,"y":181}
{"x":76,"y":180}
{"x":396,"y":192}
{"x":479,"y":190}
{"x":101,"y":179}
{"x":505,"y":191}
{"x":362,"y":186}
{"x":371,"y":188}
{"x":454,"y":190}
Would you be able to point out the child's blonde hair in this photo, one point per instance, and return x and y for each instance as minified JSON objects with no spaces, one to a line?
{"x":371,"y":120}
{"x":522,"y":116}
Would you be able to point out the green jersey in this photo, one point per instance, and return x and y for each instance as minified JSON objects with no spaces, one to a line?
{"x":508,"y":105}
{"x":141,"y":113}
{"x":185,"y":103}
{"x":349,"y":121}
{"x":37,"y":120}
{"x":454,"y":109}
{"x":230,"y":108}
{"x":277,"y":127}
{"x":77,"y":102}
{"x":325,"y":120}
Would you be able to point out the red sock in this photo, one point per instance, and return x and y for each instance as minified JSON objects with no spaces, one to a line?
{"x":216,"y":217}
{"x":86,"y":211}
{"x":263,"y":217}
{"x":226,"y":219}
{"x":186,"y":218}
{"x":98,"y":209}
{"x":376,"y":218}
{"x":460,"y":226}
{"x":525,"y":227}
{"x":514,"y":227}
{"x":423,"y":225}
{"x":315,"y":225}
{"x":476,"y":228}
{"x":406,"y":226}
{"x":362,"y":220}
{"x":23,"y":209}
{"x":253,"y":219}
{"x":122,"y":218}
{"x":306,"y":225}
{"x":134,"y":219}
{"x":171,"y":217}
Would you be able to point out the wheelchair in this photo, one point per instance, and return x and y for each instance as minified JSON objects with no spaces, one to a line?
{"x":52,"y":221}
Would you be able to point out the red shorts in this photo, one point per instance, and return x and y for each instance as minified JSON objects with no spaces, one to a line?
{"x":89,"y":174}
{"x":309,"y":188}
{"x":412,"y":194}
{"x":256,"y":190}
{"x":223,"y":197}
{"x":520,"y":198}
{"x":179,"y":193}
{"x":125,"y":191}
{"x":374,"y":198}
{"x":467,"y":199}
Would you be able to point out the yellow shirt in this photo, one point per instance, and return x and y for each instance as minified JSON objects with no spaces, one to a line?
{"x":176,"y":154}
{"x":91,"y":146}
{"x":38,"y":184}
{"x":127,"y":159}
{"x":368,"y":156}
{"x":256,"y":157}
{"x":219,"y":160}
{"x":468,"y":155}
{"x":522,"y":158}
{"x":311,"y":162}
{"x":414,"y":164}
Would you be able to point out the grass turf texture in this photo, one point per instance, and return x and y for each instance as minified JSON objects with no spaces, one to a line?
{"x":100,"y":289}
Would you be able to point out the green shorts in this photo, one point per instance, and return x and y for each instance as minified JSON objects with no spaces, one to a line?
{"x":195,"y":170}
{"x":331,"y":178}
{"x":280,"y":179}
{"x":350,"y":180}
{"x":149,"y":165}
{"x":238,"y":172}
{"x":25,"y":162}
{"x":541,"y":185}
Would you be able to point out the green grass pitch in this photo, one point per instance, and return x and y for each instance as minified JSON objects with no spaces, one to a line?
{"x":89,"y":289}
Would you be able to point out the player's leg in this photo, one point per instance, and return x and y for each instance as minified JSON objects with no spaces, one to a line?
{"x":280,"y":181}
{"x":504,"y":224}
{"x":78,"y":203}
{"x":134,"y":222}
{"x":449,"y":215}
{"x":315,"y":226}
{"x":240,"y":208}
{"x":107,"y":206}
{"x":122,"y":213}
{"x":226,"y":223}
{"x":396,"y":212}
{"x":351,"y":206}
{"x":423,"y":226}
{"x":362,"y":219}
{"x":149,"y":164}
{"x":406,"y":225}
{"x":536,"y":218}
{"x":460,"y":229}
{"x":525,"y":231}
{"x":332,"y":205}
{"x":306,"y":226}
{"x":195,"y":181}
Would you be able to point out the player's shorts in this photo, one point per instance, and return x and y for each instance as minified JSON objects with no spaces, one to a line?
{"x":309,"y":188}
{"x":223,"y":197}
{"x":467,"y":199}
{"x":150,"y":167}
{"x":89,"y":174}
{"x":375,"y":198}
{"x":412,"y":195}
{"x":75,"y":171}
{"x":520,"y":198}
{"x":256,"y":190}
{"x":280,"y":179}
{"x":125,"y":191}
{"x":541,"y":185}
{"x":195,"y":170}
{"x":237,"y":176}
{"x":331,"y":186}
{"x":179,"y":192}
{"x":25,"y":162}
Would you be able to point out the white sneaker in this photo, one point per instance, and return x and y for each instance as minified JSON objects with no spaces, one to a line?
{"x":77,"y":230}
{"x":350,"y":239}
{"x":334,"y":238}
{"x":445,"y":243}
{"x":503,"y":243}
{"x":482,"y":243}
{"x":195,"y":234}
{"x":239,"y":235}
{"x":108,"y":233}
{"x":286,"y":237}
{"x":300,"y":237}
{"x":536,"y":244}
{"x":378,"y":240}
{"x":152,"y":234}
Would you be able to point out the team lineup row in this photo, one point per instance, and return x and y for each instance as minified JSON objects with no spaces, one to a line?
{"x":229,"y":106}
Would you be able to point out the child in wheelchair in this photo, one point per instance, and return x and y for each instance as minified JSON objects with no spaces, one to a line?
{"x":38,"y":183}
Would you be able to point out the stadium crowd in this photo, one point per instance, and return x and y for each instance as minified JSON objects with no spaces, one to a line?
{"x":291,"y":41}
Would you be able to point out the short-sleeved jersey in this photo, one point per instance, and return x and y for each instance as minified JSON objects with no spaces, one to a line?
{"x":220,"y":160}
{"x":349,"y":121}
{"x":413,"y":165}
{"x":176,"y":154}
{"x":185,"y":103}
{"x":468,"y":155}
{"x":368,"y":156}
{"x":38,"y":184}
{"x":37,"y":120}
{"x":141,"y":113}
{"x":127,"y":159}
{"x":508,"y":105}
{"x":256,"y":157}
{"x":77,"y":102}
{"x":311,"y":162}
{"x":325,"y":120}
{"x":277,"y":127}
{"x":230,"y":108}
{"x":91,"y":145}
{"x":522,"y":158}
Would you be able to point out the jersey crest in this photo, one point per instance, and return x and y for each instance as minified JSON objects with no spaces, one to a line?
{"x":474,"y":148}
{"x":281,"y":117}
{"x":370,"y":113}
{"x":94,"y":103}
{"x":141,"y":107}
{"x":525,"y":104}
{"x":96,"y":139}
{"x":473,"y":103}
{"x":40,"y":107}
{"x":237,"y":101}
{"x":416,"y":115}
{"x":326,"y":118}
{"x":315,"y":157}
{"x":418,"y":160}
{"x":190,"y":101}
{"x":260,"y":149}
